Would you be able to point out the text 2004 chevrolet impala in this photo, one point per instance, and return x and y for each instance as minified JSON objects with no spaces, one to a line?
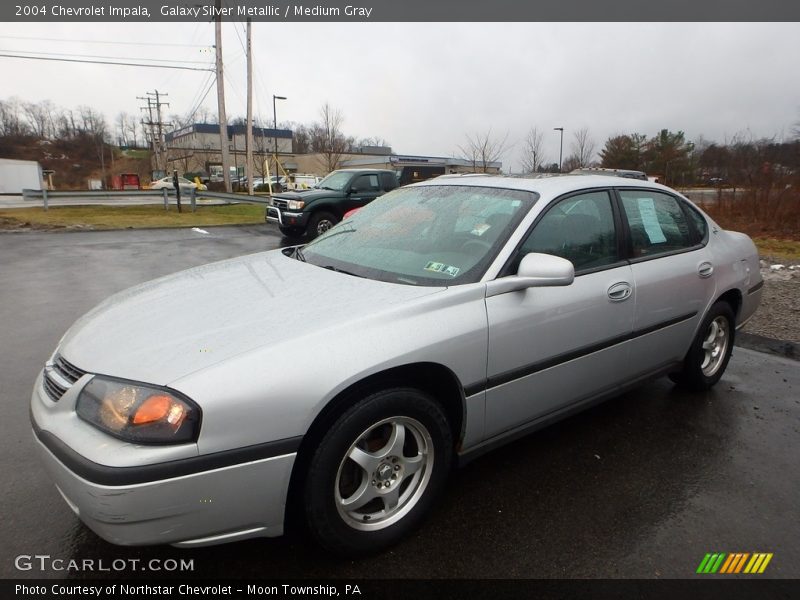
{"x":344,"y":377}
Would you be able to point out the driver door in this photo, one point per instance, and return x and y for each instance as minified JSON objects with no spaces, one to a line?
{"x":363,"y":190}
{"x":550,"y":347}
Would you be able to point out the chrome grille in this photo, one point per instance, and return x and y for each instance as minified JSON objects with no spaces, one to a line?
{"x":53,"y":389}
{"x":60,"y":369}
{"x":67,"y":370}
{"x":278,"y":203}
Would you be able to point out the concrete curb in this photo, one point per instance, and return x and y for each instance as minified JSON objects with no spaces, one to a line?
{"x":760,"y":343}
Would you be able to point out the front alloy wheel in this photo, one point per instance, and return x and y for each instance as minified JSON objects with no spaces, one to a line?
{"x":384,"y":473}
{"x":377,"y":471}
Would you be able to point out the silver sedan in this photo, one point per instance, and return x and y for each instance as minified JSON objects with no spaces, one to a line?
{"x":344,"y":378}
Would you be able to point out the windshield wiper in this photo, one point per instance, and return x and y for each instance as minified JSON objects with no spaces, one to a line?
{"x":338,"y":270}
{"x":298,"y":254}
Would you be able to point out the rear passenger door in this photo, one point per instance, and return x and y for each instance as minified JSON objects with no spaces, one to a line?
{"x":673,"y":272}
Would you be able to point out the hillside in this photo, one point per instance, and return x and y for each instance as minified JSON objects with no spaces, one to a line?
{"x":75,"y":160}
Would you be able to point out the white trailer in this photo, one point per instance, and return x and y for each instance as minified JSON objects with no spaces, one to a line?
{"x":18,"y":175}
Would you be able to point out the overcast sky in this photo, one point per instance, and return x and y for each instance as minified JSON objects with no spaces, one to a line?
{"x":423,"y":86}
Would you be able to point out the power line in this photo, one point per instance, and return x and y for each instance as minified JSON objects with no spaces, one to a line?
{"x":58,"y":54}
{"x":44,"y":39}
{"x":100,"y":62}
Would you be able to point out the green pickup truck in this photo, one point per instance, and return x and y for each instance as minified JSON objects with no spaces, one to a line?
{"x":312,"y":212}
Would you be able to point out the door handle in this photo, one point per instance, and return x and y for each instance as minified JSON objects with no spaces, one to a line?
{"x":620,"y":291}
{"x":705,"y":270}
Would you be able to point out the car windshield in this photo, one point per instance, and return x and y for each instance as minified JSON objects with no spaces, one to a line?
{"x":438,"y":235}
{"x":335,"y":181}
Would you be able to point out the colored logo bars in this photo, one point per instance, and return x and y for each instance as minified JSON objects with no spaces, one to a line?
{"x":738,"y":562}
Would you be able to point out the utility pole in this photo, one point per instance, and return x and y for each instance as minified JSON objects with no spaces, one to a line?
{"x":223,"y":119}
{"x":149,"y":123}
{"x":156,"y":128}
{"x":160,"y":125}
{"x":248,"y":169}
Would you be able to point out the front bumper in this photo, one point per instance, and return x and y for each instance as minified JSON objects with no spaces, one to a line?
{"x":172,"y":502}
{"x":286,"y":218}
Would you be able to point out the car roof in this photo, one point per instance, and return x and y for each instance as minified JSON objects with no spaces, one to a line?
{"x":551,"y":186}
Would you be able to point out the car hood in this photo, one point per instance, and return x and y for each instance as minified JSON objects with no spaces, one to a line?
{"x":162,"y":330}
{"x":308,"y":195}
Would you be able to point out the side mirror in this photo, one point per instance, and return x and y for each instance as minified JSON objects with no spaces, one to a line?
{"x":535,"y":270}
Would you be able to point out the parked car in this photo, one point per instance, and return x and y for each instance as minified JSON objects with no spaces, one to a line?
{"x":166,"y":182}
{"x":312,"y":212}
{"x":440,"y":320}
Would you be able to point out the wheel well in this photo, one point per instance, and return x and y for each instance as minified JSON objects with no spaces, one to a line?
{"x":734,"y":298}
{"x":331,"y":210}
{"x":433,"y":378}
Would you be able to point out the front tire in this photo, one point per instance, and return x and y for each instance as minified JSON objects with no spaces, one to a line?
{"x":377,"y":471}
{"x":319,"y":223}
{"x":711,"y":350}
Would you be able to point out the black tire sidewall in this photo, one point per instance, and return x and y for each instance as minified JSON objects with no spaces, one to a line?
{"x":322,"y":516}
{"x":315,"y":220}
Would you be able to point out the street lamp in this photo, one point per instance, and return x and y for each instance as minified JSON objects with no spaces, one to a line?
{"x":275,"y":131}
{"x":561,"y":147}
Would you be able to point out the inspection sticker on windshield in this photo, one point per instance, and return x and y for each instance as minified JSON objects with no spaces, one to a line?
{"x":437,"y":267}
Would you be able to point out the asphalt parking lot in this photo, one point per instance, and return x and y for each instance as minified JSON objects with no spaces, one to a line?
{"x":642,"y":486}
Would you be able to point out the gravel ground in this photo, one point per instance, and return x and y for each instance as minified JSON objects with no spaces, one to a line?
{"x":778,"y":317}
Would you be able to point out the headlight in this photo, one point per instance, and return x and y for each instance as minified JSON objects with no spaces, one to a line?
{"x":295,"y":205}
{"x":138,"y":413}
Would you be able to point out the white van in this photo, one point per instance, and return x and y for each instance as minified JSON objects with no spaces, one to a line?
{"x":303,"y":182}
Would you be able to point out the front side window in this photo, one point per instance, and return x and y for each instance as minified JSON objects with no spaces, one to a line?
{"x":579,"y":228}
{"x":657,"y":223}
{"x":366,"y":183}
{"x":437,"y":235}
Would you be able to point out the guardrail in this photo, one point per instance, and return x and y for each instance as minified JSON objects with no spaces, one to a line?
{"x":165,"y":193}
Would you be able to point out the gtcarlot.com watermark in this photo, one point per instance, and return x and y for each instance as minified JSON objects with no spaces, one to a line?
{"x":45,"y":562}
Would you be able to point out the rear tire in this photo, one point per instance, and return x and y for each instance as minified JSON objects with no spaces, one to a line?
{"x":377,"y":471}
{"x":711,"y":350}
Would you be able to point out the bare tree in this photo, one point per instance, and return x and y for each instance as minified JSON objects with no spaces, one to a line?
{"x":40,"y":118}
{"x":583,"y":148}
{"x":327,"y":138}
{"x":373,"y":141}
{"x":483,"y":149}
{"x":570,"y":163}
{"x":532,"y":151}
{"x":11,"y":122}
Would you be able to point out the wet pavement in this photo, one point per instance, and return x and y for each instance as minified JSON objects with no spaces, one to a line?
{"x":643,"y":485}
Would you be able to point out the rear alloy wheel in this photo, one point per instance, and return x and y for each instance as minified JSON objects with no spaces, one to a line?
{"x":377,"y":471}
{"x":320,"y":223}
{"x":711,"y":350}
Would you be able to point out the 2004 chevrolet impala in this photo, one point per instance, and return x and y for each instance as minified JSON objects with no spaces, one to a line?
{"x":343,"y":378}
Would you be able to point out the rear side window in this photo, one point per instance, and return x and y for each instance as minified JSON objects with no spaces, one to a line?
{"x":389,"y":181}
{"x":657,"y":223}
